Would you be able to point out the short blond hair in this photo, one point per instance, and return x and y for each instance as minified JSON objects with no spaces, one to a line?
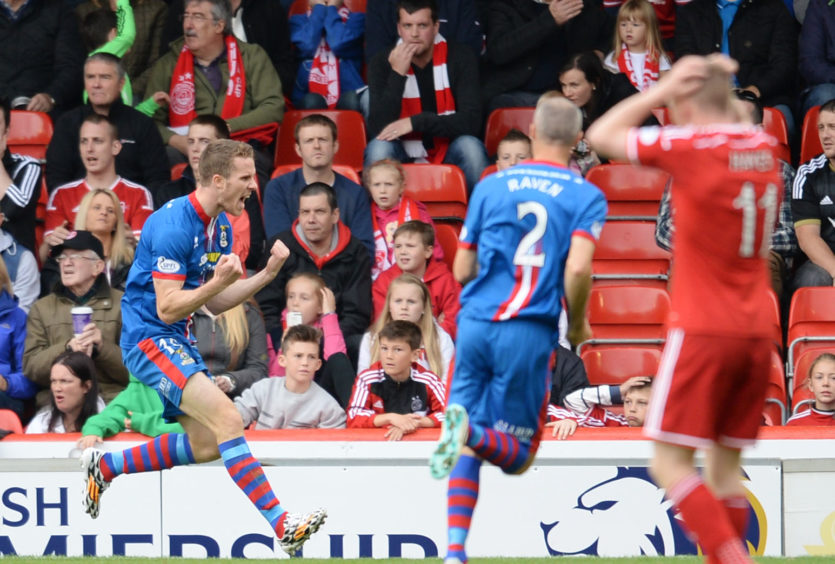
{"x":218,"y":157}
{"x":558,"y":121}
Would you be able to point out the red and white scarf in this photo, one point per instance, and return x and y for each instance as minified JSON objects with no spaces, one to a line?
{"x":384,"y":242}
{"x":444,"y":102}
{"x":651,"y":66}
{"x":181,"y":109}
{"x":324,"y":71}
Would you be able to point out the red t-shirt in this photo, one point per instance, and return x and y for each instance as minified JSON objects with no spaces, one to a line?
{"x":725,"y":195}
{"x":812,"y":418}
{"x":63,"y":204}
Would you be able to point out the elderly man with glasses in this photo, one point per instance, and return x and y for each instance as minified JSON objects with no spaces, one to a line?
{"x":49,"y":329}
{"x":208,"y":71}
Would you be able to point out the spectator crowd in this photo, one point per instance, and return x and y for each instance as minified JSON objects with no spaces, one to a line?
{"x":359,"y":327}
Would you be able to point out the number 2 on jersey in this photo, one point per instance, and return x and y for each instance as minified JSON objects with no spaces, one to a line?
{"x":746,"y":201}
{"x":524,"y":255}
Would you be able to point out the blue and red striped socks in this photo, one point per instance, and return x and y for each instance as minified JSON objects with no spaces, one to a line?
{"x":165,"y":451}
{"x":246,"y":471}
{"x":502,"y":449}
{"x":462,"y":496}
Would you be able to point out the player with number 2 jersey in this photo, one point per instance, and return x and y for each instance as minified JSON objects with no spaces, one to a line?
{"x":527,"y":241}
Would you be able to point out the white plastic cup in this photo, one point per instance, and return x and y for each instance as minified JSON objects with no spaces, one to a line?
{"x":81,"y":316}
{"x":294,"y":318}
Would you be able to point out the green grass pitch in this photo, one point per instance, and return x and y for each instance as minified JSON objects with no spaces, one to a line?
{"x":590,"y":560}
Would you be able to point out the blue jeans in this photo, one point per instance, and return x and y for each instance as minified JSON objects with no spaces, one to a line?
{"x":348,"y":100}
{"x":816,"y":96}
{"x":466,"y":152}
{"x":810,"y":274}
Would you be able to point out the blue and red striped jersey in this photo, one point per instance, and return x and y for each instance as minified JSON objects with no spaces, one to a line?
{"x":520,"y":222}
{"x":179,"y":242}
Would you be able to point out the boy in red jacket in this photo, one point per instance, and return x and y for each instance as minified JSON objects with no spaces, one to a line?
{"x":414,"y":242}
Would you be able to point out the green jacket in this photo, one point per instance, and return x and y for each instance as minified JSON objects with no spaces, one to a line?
{"x":263,"y":101}
{"x":145,"y":406}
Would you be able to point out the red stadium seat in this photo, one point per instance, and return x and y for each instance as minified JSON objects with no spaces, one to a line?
{"x":350,"y":131}
{"x":626,"y":251}
{"x":9,"y":421}
{"x":441,"y":188}
{"x":177,"y":170}
{"x":29,"y":133}
{"x":811,"y":322}
{"x":448,"y":238}
{"x":802,"y":400}
{"x":627,"y":315}
{"x":774,"y":409}
{"x":775,"y":123}
{"x":632,"y":191}
{"x":810,"y":143}
{"x":616,"y":365}
{"x":341,"y":169}
{"x":503,"y":120}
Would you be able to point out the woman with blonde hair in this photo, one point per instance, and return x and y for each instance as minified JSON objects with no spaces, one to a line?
{"x":100,"y":213}
{"x":408,"y":299}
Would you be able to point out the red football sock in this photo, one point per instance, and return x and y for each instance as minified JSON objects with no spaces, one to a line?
{"x":708,"y":520}
{"x":737,"y":509}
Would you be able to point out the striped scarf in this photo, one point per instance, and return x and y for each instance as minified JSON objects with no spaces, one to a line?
{"x":324,"y":70}
{"x":444,"y":102}
{"x":651,"y":66}
{"x":384,"y":241}
{"x":181,"y":109}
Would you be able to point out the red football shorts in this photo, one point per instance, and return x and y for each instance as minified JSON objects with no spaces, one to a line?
{"x":709,"y":389}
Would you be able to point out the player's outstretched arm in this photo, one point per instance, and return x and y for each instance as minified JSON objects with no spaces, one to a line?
{"x":241,"y":290}
{"x":577,"y":281}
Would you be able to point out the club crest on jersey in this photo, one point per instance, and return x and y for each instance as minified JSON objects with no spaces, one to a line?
{"x":224,"y":240}
{"x":417,"y":404}
{"x":167,"y":266}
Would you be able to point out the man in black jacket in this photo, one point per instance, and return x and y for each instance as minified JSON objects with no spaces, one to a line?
{"x":760,"y":35}
{"x":321,"y":244}
{"x":142,"y":159}
{"x":528,"y":42}
{"x":435,"y":85}
{"x":40,"y":54}
{"x":458,"y":19}
{"x":254,"y":21}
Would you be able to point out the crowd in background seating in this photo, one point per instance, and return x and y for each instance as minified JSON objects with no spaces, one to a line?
{"x":164,"y":78}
